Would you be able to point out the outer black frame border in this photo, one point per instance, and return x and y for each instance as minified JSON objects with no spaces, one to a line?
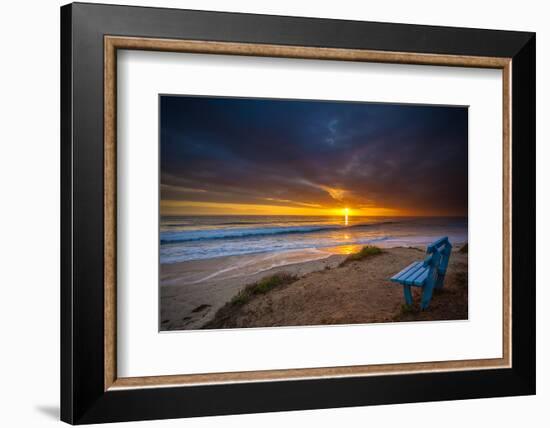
{"x":83,"y":399}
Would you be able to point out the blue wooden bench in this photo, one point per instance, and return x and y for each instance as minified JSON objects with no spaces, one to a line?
{"x":428,"y":273}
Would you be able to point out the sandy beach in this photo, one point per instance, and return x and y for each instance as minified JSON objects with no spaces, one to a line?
{"x":197,"y":294}
{"x":192,"y":292}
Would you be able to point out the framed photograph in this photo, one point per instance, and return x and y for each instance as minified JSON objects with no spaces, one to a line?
{"x":266,"y":213}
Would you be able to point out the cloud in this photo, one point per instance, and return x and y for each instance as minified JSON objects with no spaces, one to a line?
{"x":336,"y":194}
{"x":320,"y":154}
{"x":288,"y":201}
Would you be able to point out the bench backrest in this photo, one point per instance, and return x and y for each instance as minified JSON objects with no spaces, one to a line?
{"x":437,"y":256}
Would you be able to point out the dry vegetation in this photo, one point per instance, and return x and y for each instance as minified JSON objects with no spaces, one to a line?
{"x":356,"y":291}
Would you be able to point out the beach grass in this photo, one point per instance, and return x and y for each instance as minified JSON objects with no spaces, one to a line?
{"x":408,"y":309}
{"x":262,"y":286}
{"x":365,"y":252}
{"x":464,"y":249}
{"x":240,"y":299}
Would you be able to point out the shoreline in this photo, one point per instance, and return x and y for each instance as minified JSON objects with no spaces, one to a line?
{"x":201,"y":270}
{"x":192,"y":292}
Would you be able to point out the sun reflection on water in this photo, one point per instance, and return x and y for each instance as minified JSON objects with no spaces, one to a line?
{"x":345,"y":250}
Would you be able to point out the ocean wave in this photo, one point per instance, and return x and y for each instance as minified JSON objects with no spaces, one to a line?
{"x":177,"y":254}
{"x":213,"y":234}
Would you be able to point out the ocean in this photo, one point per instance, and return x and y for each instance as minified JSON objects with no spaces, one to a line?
{"x":185,"y":238}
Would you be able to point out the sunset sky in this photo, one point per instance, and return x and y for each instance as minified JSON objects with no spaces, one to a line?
{"x":231,"y":156}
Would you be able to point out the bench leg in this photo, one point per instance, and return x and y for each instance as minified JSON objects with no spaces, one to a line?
{"x":408,"y":295}
{"x":427,"y":292}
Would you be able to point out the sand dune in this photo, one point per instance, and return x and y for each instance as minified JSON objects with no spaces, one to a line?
{"x":324,"y":293}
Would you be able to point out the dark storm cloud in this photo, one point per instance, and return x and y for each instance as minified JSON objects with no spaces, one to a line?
{"x":309,"y":153}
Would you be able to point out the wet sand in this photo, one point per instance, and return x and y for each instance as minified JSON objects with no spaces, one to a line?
{"x":192,"y":292}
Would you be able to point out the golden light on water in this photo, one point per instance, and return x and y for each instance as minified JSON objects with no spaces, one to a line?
{"x":345,"y":250}
{"x":346,"y":214}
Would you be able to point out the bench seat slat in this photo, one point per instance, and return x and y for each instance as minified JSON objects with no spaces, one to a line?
{"x":411,"y":274}
{"x":411,"y":279}
{"x":400,"y":273}
{"x":420,"y":280}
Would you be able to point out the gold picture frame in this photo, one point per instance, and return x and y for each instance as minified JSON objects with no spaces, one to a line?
{"x":114,"y":43}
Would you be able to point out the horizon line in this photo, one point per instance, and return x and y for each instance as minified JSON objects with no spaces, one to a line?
{"x":307,"y":215}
